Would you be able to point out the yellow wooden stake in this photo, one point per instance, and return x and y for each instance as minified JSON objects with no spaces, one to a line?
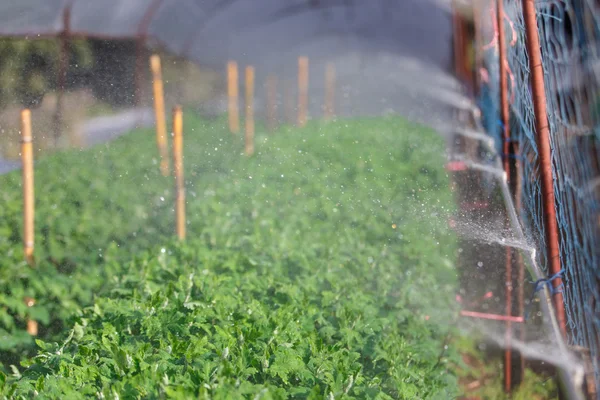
{"x":32,"y":326}
{"x":28,"y":194}
{"x":178,"y":170}
{"x":28,"y":203}
{"x":159,"y":112}
{"x":232,"y":97}
{"x":302,"y":90}
{"x":271,"y":102}
{"x":329,"y":106}
{"x":249,"y":110}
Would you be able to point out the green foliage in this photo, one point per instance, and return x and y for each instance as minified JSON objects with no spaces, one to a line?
{"x":308,"y":272}
{"x":533,"y":387}
{"x":28,"y":68}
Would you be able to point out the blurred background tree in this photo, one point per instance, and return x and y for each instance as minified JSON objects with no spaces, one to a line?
{"x":29,"y":68}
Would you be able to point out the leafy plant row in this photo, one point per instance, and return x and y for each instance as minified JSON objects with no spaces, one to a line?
{"x":317,"y":268}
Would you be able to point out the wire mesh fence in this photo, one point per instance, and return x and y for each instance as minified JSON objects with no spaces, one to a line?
{"x":569,"y":33}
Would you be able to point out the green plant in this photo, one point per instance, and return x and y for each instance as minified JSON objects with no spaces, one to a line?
{"x":480,"y":378}
{"x":318,"y":268}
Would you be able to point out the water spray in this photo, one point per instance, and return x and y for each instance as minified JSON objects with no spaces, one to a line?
{"x":571,"y":372}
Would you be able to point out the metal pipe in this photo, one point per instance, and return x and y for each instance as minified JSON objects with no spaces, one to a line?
{"x":545,"y":156}
{"x":504,"y":114}
{"x":494,"y":317}
{"x":519,"y":258}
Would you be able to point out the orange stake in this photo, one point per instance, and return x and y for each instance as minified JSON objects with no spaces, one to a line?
{"x":271,"y":102}
{"x":302,"y":90}
{"x":32,"y":326}
{"x":178,"y":169}
{"x":249,"y":110}
{"x":159,"y":112}
{"x":232,"y":97}
{"x":28,"y":194}
{"x":28,"y":203}
{"x":329,"y":107}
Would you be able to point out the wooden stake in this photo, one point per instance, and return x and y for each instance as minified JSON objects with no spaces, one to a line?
{"x":28,"y":203}
{"x":178,"y":170}
{"x":232,"y":97}
{"x":28,"y":194}
{"x":329,"y":106}
{"x":249,"y":110}
{"x":159,"y":111}
{"x":271,"y":102}
{"x":302,"y":90}
{"x":32,"y":326}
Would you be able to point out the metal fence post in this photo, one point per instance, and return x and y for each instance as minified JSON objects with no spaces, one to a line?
{"x":545,"y":156}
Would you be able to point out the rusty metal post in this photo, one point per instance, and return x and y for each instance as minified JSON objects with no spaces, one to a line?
{"x":233,"y":112}
{"x":517,"y":182}
{"x":249,"y":146}
{"x":504,"y":115}
{"x":504,"y":107}
{"x":302,"y":90}
{"x":545,"y":157}
{"x":178,"y":171}
{"x":476,"y":7}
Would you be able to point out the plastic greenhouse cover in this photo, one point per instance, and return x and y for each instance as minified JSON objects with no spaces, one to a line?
{"x":31,"y":17}
{"x":211,"y":31}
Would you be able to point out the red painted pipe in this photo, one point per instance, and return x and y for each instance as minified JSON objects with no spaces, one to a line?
{"x":456,"y":166}
{"x":545,"y":157}
{"x":494,"y":317}
{"x":504,"y":115}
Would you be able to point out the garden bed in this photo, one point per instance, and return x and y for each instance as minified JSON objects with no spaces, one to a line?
{"x":320,"y":267}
